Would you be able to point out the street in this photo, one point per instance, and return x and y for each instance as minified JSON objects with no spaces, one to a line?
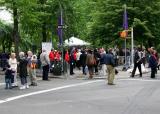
{"x":82,"y":96}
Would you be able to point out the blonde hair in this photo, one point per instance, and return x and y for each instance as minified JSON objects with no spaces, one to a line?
{"x":13,"y":55}
{"x":29,"y":53}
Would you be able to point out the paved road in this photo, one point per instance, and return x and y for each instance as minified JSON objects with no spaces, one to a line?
{"x":81,"y":96}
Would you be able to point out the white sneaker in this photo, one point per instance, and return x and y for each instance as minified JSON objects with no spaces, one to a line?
{"x":27,"y":86}
{"x":22,"y":87}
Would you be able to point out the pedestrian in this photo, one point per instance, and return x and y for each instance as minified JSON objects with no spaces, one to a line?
{"x":23,"y":62}
{"x":33,"y":67}
{"x":78,"y":54}
{"x":8,"y":77}
{"x":137,"y":62}
{"x":13,"y":63}
{"x":97,"y":57}
{"x":110,"y":63}
{"x":102,"y":62}
{"x":90,"y":62}
{"x":45,"y":64}
{"x":72,"y":61}
{"x":51,"y":57}
{"x":83,"y":57}
{"x":153,"y":63}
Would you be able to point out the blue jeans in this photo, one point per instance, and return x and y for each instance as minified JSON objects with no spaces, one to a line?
{"x":8,"y":83}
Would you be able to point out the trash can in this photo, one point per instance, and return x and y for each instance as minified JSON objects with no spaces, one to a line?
{"x":57,"y":68}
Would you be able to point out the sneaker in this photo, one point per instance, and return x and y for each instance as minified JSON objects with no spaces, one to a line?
{"x":22,"y":87}
{"x":111,"y":84}
{"x":27,"y":86}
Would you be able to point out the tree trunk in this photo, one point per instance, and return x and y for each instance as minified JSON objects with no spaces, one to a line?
{"x":44,"y":29}
{"x":16,"y":36}
{"x":44,"y":32}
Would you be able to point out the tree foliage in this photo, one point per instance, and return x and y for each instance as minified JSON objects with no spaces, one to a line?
{"x":97,"y":21}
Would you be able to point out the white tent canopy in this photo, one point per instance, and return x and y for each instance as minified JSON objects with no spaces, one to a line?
{"x":73,"y":41}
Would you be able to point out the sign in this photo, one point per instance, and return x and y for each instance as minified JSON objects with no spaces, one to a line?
{"x":47,"y":46}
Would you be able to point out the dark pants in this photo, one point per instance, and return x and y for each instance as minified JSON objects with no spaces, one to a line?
{"x":96,"y":68}
{"x":71,"y":68}
{"x":45,"y":72}
{"x":8,"y":83}
{"x":135,"y":67}
{"x":153,"y":72}
{"x":23,"y":80}
{"x":83,"y":69}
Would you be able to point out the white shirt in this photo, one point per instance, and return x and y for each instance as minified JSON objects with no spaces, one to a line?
{"x":13,"y":63}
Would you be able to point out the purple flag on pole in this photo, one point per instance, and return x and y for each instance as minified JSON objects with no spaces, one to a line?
{"x":125,"y":19}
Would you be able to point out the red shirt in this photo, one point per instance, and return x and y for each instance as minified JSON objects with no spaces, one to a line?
{"x":51,"y":56}
{"x":67,"y":57}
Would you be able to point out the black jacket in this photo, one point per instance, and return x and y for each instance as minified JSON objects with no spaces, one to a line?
{"x":23,"y":67}
{"x":83,"y":57}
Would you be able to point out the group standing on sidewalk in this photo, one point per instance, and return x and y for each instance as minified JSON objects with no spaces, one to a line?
{"x":94,"y":62}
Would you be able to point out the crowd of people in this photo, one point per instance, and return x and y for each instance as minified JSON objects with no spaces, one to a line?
{"x":89,"y":61}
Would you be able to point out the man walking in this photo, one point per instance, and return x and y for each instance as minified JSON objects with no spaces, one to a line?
{"x":137,"y":62}
{"x":109,"y":61}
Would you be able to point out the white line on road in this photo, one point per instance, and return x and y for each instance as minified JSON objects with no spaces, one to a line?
{"x":48,"y":90}
{"x":145,"y":80}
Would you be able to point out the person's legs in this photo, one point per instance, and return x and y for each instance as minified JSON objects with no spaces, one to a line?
{"x":71,"y":69}
{"x":153,"y":71}
{"x":43,"y":76}
{"x":104,"y":69}
{"x":111,"y":74}
{"x":46,"y":70}
{"x":83,"y":69}
{"x":134,"y":70}
{"x":33,"y":78}
{"x":7,"y":83}
{"x":140,"y":70}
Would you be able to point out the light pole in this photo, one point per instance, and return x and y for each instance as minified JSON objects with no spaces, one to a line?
{"x":61,"y":26}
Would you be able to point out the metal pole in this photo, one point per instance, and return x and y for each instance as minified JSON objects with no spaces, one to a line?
{"x":132,"y":46}
{"x":125,"y":53}
{"x":62,"y":37}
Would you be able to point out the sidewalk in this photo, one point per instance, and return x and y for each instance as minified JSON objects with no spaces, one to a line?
{"x":78,"y":74}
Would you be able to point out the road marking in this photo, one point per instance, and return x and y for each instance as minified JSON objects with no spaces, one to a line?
{"x":48,"y":90}
{"x":145,"y":80}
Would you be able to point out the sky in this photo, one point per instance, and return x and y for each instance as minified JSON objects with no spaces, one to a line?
{"x":5,"y":16}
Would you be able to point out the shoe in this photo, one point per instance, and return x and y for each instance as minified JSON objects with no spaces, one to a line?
{"x":111,"y":84}
{"x":22,"y":87}
{"x":27,"y":86}
{"x":132,"y":76}
{"x":33,"y":84}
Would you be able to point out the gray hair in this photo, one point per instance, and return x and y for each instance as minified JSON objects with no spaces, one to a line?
{"x":21,"y":54}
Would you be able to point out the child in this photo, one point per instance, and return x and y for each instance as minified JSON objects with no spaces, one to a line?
{"x":33,"y":70}
{"x":8,"y":77}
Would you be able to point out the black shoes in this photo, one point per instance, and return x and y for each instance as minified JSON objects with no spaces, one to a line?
{"x":111,"y":84}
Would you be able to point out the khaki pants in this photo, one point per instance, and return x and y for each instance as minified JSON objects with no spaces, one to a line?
{"x":111,"y":74}
{"x":32,"y":75}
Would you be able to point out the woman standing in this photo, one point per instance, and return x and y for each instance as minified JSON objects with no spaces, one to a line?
{"x":13,"y":63}
{"x":23,"y":70}
{"x":90,"y":61}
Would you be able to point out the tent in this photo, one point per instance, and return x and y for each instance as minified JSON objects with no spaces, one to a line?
{"x":73,"y":41}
